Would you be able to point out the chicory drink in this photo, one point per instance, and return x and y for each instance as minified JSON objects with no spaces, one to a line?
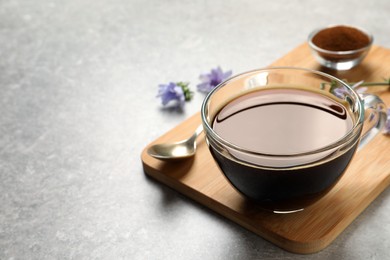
{"x":282,"y":121}
{"x":278,"y":123}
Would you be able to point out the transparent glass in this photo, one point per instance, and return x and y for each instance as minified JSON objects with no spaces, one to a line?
{"x":289,"y":181}
{"x":339,"y":60}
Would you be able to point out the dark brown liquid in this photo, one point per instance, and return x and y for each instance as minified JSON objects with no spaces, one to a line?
{"x":280,"y":122}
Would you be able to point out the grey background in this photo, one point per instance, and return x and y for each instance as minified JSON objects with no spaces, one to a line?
{"x":78,"y":85}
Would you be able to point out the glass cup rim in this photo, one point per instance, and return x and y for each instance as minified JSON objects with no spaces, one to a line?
{"x":349,"y":52}
{"x":209,"y":132}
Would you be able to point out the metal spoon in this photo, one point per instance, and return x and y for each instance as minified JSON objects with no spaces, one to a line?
{"x":179,"y":150}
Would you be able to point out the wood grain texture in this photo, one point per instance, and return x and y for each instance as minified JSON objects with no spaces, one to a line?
{"x":317,"y":226}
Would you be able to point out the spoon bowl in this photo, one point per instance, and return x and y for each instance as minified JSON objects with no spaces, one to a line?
{"x":178,"y":150}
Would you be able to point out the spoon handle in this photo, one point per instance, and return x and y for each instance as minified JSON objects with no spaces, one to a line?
{"x":198,"y":131}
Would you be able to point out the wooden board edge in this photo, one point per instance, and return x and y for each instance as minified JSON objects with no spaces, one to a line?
{"x":306,"y":247}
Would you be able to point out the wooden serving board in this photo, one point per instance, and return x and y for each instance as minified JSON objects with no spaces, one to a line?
{"x":314,"y":228}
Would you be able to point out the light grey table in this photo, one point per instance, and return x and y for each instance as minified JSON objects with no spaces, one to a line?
{"x":78,"y":85}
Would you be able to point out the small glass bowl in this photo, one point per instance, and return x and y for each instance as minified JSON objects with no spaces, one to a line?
{"x":339,"y":60}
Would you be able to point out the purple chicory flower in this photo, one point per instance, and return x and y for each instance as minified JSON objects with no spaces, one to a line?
{"x":171,"y":93}
{"x":387,"y":126}
{"x":174,"y":94}
{"x":340,"y":92}
{"x":212,"y":79}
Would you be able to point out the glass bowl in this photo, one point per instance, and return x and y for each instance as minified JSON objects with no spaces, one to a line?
{"x":339,"y":60}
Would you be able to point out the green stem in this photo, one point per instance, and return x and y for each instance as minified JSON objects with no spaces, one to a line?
{"x":369,"y":84}
{"x":188,"y":94}
{"x":364,"y":84}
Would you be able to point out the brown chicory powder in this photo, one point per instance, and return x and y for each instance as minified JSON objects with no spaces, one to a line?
{"x":341,"y":38}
